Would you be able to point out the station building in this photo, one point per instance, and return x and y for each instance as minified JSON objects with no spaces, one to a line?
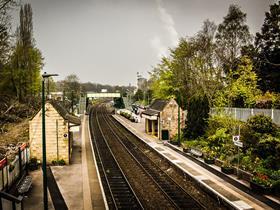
{"x":59,"y":137}
{"x":161,"y":119}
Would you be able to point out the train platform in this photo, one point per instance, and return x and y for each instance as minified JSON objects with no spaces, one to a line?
{"x":33,"y":199}
{"x":218,"y":187}
{"x":93,"y":195}
{"x":70,"y":175}
{"x":78,"y":182}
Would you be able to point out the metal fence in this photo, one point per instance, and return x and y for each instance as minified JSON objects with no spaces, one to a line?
{"x":244,"y":113}
{"x":9,"y":174}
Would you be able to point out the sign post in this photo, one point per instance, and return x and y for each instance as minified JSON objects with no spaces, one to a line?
{"x":238,"y":143}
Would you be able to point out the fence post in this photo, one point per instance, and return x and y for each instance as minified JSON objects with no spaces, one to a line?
{"x":272,"y":114}
{"x":8,"y":174}
{"x":20,"y":164}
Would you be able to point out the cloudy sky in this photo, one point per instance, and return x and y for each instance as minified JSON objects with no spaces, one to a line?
{"x":109,"y":41}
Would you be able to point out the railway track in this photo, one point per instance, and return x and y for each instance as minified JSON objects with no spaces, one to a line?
{"x":174,"y":195}
{"x":119,"y":194}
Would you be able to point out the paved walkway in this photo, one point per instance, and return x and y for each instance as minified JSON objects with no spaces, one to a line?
{"x":93,"y":192}
{"x":69,"y":177}
{"x":230,"y":194}
{"x":34,"y":198}
{"x":77,"y":182}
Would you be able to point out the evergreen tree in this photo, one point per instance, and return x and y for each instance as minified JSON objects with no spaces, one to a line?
{"x":26,"y":60}
{"x":198,"y":114}
{"x":267,"y":42}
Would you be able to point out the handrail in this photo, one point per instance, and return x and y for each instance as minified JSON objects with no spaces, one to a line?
{"x":10,"y":197}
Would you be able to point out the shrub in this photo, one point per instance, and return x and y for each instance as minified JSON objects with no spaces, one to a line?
{"x":197,"y":143}
{"x":61,"y":162}
{"x":268,"y":148}
{"x":255,"y":128}
{"x":261,"y":124}
{"x":198,"y":113}
{"x":220,"y":138}
{"x":219,"y":121}
{"x":54,"y":162}
{"x":33,"y":164}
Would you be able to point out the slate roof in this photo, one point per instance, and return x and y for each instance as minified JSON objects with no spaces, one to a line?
{"x":150,"y":112}
{"x":156,"y":107}
{"x":64,"y":113}
{"x":158,"y":104}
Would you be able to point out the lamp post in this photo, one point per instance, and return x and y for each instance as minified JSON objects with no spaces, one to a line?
{"x":179,"y":116}
{"x":44,"y":166}
{"x":179,"y":119}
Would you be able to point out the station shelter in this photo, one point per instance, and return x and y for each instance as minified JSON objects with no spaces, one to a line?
{"x":161,"y":119}
{"x":58,"y":123}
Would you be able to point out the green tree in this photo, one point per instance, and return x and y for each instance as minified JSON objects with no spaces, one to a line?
{"x":139,"y":95}
{"x":198,"y":114}
{"x":242,"y":88}
{"x":5,"y":25}
{"x":22,"y":73}
{"x":267,"y":44}
{"x":191,"y":68}
{"x":72,"y":88}
{"x":233,"y":33}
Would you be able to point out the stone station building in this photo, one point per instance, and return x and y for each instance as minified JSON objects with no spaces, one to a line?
{"x":161,"y":119}
{"x":58,"y":134}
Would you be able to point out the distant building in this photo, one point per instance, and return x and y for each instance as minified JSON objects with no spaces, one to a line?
{"x":161,"y":119}
{"x":141,"y":82}
{"x":58,"y":135}
{"x":58,"y":96}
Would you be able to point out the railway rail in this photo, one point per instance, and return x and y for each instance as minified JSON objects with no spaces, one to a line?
{"x":167,"y":189}
{"x":119,"y":194}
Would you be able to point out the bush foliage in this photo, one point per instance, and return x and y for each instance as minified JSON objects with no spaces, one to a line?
{"x":198,"y":114}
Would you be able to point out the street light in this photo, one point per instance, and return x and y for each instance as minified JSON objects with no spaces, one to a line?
{"x":179,"y":116}
{"x":44,"y":166}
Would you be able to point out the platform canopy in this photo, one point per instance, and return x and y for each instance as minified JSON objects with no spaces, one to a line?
{"x":103,"y":95}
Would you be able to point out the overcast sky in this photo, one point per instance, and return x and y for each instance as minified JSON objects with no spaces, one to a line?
{"x":109,"y":41}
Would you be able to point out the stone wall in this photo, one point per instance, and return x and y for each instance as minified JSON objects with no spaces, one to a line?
{"x":169,"y":118}
{"x":56,"y":136}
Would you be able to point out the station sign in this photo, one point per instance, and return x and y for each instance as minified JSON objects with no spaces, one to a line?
{"x":236,"y":141}
{"x":235,"y":138}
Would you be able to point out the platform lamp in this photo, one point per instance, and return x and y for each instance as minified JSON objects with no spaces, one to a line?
{"x":179,"y":116}
{"x":44,"y":166}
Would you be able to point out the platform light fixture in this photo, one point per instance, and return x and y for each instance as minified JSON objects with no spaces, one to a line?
{"x":44,"y":164}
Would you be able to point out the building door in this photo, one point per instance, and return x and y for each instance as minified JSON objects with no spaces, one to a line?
{"x":165,"y":134}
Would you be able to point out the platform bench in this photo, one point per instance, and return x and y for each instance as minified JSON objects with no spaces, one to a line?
{"x":24,"y":185}
{"x":196,"y":152}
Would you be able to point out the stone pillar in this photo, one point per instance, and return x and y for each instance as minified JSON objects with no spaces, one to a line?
{"x":146,"y":125}
{"x":159,"y":127}
{"x":153,"y":127}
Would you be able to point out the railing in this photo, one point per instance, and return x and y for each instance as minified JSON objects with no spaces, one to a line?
{"x":244,"y":113}
{"x":10,"y":202}
{"x":9,"y":174}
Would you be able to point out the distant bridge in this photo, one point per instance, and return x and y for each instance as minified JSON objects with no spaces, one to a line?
{"x":94,"y":95}
{"x":103,"y":95}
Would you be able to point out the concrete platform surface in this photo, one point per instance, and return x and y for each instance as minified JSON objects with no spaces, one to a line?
{"x":224,"y":190}
{"x":33,"y":200}
{"x":77,"y":182}
{"x":92,"y":188}
{"x":69,"y":177}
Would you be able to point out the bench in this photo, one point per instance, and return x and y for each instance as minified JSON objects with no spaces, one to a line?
{"x":196,"y":152}
{"x":24,"y":185}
